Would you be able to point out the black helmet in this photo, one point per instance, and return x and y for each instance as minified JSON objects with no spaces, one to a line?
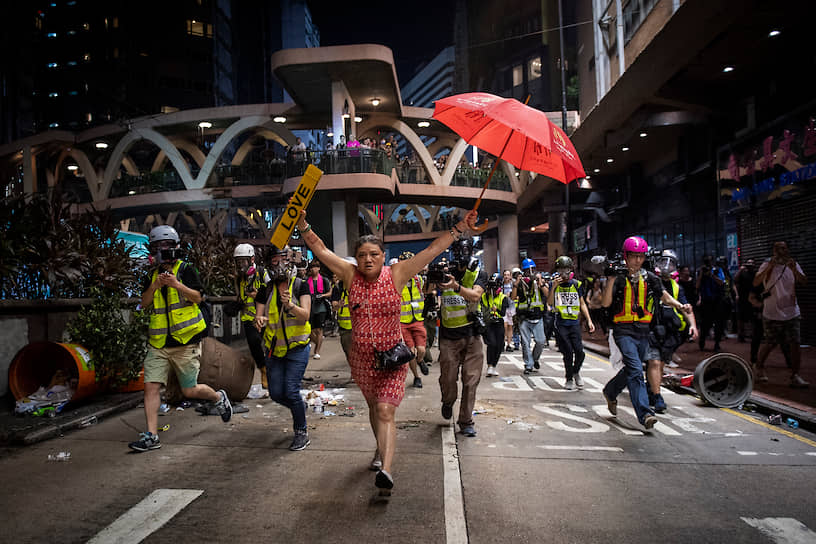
{"x":462,"y":249}
{"x":495,"y":281}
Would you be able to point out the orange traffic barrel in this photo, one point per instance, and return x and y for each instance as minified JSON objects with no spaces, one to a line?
{"x":37,"y":363}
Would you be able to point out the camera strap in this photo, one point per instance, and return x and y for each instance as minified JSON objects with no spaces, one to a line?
{"x":779,"y":277}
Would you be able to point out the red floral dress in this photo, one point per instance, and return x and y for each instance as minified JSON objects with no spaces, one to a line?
{"x":375,"y":324}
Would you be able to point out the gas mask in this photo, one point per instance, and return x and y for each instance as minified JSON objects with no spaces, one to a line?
{"x":244,"y":265}
{"x":666,"y":267}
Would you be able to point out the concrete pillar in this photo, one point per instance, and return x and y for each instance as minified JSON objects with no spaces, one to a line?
{"x":352,"y":222}
{"x":619,"y":22}
{"x":340,"y":99}
{"x":490,"y":248}
{"x":29,"y":171}
{"x":339,"y":234}
{"x":508,"y":241}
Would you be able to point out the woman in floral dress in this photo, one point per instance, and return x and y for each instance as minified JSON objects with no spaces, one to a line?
{"x":375,"y":301}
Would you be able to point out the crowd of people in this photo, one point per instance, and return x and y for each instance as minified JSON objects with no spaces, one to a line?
{"x":388,"y":316}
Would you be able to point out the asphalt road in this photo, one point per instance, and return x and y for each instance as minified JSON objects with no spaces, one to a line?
{"x":548,"y":465}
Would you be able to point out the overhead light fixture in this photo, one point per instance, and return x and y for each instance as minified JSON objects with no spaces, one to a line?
{"x":773,"y":33}
{"x":532,"y":229}
{"x":597,"y":170}
{"x":587,"y":177}
{"x":101,"y":145}
{"x":346,"y":116}
{"x":624,"y":148}
{"x":131,"y":192}
{"x":375,"y":102}
{"x":728,"y":69}
{"x":205,"y":124}
{"x":73,"y":167}
{"x":279,"y":119}
{"x":610,"y":159}
{"x":643,"y":134}
{"x":330,"y":134}
{"x":358,"y":119}
{"x":423,"y":124}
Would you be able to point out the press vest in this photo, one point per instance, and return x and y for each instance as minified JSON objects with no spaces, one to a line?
{"x":257,"y":280}
{"x":488,"y":301}
{"x":675,"y":291}
{"x":182,"y":319}
{"x":627,"y":315}
{"x":454,"y":306}
{"x":413,"y":302}
{"x":344,"y":313}
{"x":567,"y":301}
{"x":532,"y":296}
{"x":281,"y":337}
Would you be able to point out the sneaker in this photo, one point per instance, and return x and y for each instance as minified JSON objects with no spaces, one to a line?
{"x":418,"y":382}
{"x":489,"y":371}
{"x":469,"y":430}
{"x":798,"y":383}
{"x":579,"y":381}
{"x":376,"y":463}
{"x":384,"y":480}
{"x":423,"y":368}
{"x":659,"y":404}
{"x":569,"y":385}
{"x":508,"y":348}
{"x":611,"y":405}
{"x":649,"y":421}
{"x":317,"y":356}
{"x":224,"y":406}
{"x":300,"y":441}
{"x":147,"y":441}
{"x":528,"y":370}
{"x":447,"y":410}
{"x":651,"y":398}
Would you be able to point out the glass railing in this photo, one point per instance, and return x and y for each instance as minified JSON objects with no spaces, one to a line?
{"x":443,"y":223}
{"x":271,"y":172}
{"x":148,"y":182}
{"x":465,"y":176}
{"x":357,"y":160}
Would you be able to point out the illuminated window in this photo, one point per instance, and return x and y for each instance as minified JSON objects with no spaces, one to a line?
{"x":71,"y":63}
{"x":53,"y":94}
{"x":86,"y":26}
{"x":71,"y":32}
{"x":115,"y":22}
{"x":518,"y":76}
{"x":199,"y":28}
{"x":52,"y":34}
{"x":53,"y":125}
{"x":89,"y":117}
{"x":52,"y":64}
{"x":534,"y":69}
{"x":86,"y":57}
{"x":73,"y":93}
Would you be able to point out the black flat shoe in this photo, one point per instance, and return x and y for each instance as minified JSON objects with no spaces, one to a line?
{"x":384,"y":480}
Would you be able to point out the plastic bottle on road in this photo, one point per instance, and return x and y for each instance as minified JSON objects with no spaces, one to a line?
{"x":318,"y":405}
{"x":88,"y":421}
{"x":792,"y":423}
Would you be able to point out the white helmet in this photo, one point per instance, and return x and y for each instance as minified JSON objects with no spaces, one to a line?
{"x":393,"y":261}
{"x":243,"y":250}
{"x":351,"y":260}
{"x":163,"y":232}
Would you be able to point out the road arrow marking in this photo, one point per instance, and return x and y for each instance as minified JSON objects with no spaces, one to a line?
{"x":783,"y":530}
{"x":146,"y":517}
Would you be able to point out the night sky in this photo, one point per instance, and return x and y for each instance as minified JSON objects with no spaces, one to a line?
{"x":415,"y":31}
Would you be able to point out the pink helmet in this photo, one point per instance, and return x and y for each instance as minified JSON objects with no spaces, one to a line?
{"x":635,"y":244}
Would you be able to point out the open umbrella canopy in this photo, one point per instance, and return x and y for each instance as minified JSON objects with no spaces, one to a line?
{"x":512,"y":131}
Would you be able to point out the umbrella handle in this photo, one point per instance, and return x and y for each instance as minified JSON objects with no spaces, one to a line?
{"x":478,"y":229}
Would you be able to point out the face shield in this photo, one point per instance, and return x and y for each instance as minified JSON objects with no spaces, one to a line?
{"x":666,"y":265}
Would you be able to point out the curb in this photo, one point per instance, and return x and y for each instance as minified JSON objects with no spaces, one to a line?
{"x":74,"y":420}
{"x":764,"y":405}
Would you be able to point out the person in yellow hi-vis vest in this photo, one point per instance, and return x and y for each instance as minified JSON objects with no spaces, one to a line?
{"x":567,"y":298}
{"x":412,"y":321}
{"x":461,"y":350}
{"x":340,"y":304}
{"x":494,"y":305}
{"x":632,"y":295}
{"x":249,"y":278}
{"x":173,"y":291}
{"x":282,"y":309}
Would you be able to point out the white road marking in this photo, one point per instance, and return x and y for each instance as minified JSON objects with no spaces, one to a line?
{"x":582,"y":448}
{"x":810,"y":453}
{"x":150,"y":514}
{"x":455,"y":526}
{"x":783,"y":530}
{"x":747,"y":453}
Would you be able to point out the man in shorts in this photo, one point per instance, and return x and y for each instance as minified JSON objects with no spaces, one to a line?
{"x":412,"y":322}
{"x":177,"y":326}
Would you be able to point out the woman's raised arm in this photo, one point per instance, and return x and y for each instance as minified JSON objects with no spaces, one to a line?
{"x":338,"y":265}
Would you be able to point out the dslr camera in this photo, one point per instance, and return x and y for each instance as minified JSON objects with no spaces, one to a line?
{"x":437,"y":272}
{"x":616,"y":266}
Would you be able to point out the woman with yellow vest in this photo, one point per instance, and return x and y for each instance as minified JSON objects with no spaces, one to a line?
{"x":173,"y":292}
{"x":632,"y":297}
{"x":282,"y":310}
{"x":376,"y":303}
{"x":412,"y":321}
{"x":248,"y":279}
{"x":566,"y":296}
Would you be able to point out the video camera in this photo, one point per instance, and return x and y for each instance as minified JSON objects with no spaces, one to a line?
{"x":616,"y":266}
{"x":437,"y":272}
{"x":169,"y":255}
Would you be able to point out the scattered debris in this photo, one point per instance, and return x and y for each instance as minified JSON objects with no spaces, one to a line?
{"x":257,"y":392}
{"x":775,"y":419}
{"x":792,"y":423}
{"x":164,"y":408}
{"x":61,"y":456}
{"x":88,"y":421}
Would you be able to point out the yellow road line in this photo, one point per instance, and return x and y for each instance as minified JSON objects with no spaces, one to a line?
{"x":771,"y":427}
{"x":605,"y":361}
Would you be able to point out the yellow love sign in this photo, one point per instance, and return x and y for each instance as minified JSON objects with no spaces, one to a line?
{"x":300,"y":199}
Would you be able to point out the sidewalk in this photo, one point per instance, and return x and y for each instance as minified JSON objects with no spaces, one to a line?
{"x":774,"y":396}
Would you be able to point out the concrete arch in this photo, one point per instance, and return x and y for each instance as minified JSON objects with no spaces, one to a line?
{"x":410,"y":136}
{"x":84,"y":163}
{"x":246,"y":147}
{"x":185,"y":145}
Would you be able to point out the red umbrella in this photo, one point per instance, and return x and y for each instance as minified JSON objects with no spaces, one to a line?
{"x":512,"y":131}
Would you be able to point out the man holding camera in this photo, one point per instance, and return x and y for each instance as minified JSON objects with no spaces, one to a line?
{"x":632,"y":293}
{"x":249,"y":278}
{"x":460,"y":345}
{"x":780,"y":312}
{"x":176,"y":329}
{"x":567,"y":298}
{"x":531,"y":292}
